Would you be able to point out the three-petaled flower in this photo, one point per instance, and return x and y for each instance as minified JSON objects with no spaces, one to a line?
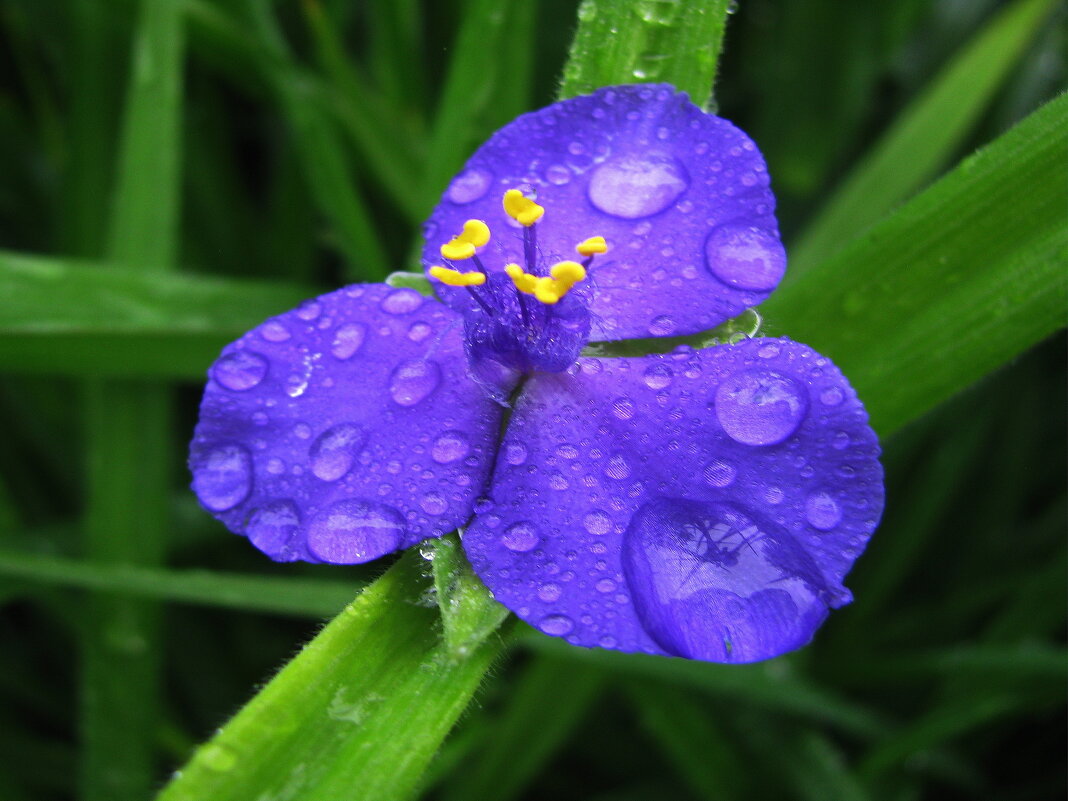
{"x":701,"y":503}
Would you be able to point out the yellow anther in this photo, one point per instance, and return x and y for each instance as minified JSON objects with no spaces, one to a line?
{"x":457,"y":278}
{"x":568,"y":272}
{"x":549,"y":290}
{"x":595,"y":244}
{"x":521,"y":208}
{"x":524,"y":282}
{"x":475,"y":234}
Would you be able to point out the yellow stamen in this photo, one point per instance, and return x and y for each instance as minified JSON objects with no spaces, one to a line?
{"x":595,"y":244}
{"x":524,"y":282}
{"x":475,"y":234}
{"x":457,"y":278}
{"x":568,"y":272}
{"x":521,"y":208}
{"x":547,"y":289}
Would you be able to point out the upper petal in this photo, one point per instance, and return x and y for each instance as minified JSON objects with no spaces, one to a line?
{"x":701,"y":504}
{"x":681,"y":196}
{"x":344,"y":429}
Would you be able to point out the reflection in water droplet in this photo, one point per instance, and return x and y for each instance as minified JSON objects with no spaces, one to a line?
{"x":348,"y":339}
{"x":334,"y":451}
{"x":558,"y":174}
{"x":556,"y":625}
{"x":745,"y":257}
{"x":637,"y":186}
{"x":413,"y":381}
{"x":222,"y":478}
{"x":401,"y":301}
{"x":449,"y":447}
{"x":271,"y":528}
{"x":239,"y":370}
{"x":759,"y":407}
{"x":657,"y":376}
{"x":469,"y":186}
{"x":355,"y":531}
{"x":520,"y":537}
{"x":709,"y":582}
{"x":822,"y":511}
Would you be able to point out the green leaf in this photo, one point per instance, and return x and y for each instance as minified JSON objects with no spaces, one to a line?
{"x":356,"y":715}
{"x":923,"y":136}
{"x":468,"y":612}
{"x":957,"y":282}
{"x":672,"y":41}
{"x":286,"y":596}
{"x":78,"y":318}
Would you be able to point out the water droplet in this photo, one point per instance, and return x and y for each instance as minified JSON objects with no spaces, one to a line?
{"x":515,"y":453}
{"x":348,"y":339}
{"x":414,"y":380}
{"x":605,"y":585}
{"x":217,"y":757}
{"x":433,"y":504}
{"x":309,"y":310}
{"x":272,"y":527}
{"x":719,"y":473}
{"x":222,"y":478}
{"x":274,"y":331}
{"x":623,"y":408}
{"x":556,"y":625}
{"x":240,"y":370}
{"x":617,"y":467}
{"x":745,"y":257}
{"x":841,"y":441}
{"x":597,"y":522}
{"x":520,"y":537}
{"x":449,"y":447}
{"x":418,"y":332}
{"x":633,"y":187}
{"x":759,"y":407}
{"x":657,"y":376}
{"x":401,"y":301}
{"x":558,"y":174}
{"x":334,"y":451}
{"x":832,"y":396}
{"x":549,"y":592}
{"x":822,"y":511}
{"x":768,"y":351}
{"x":662,"y":326}
{"x":774,"y":495}
{"x":354,"y":531}
{"x":469,"y":186}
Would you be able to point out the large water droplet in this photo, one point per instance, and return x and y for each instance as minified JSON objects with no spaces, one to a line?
{"x":759,"y":407}
{"x":272,"y":527}
{"x":334,"y":451}
{"x":822,"y":511}
{"x":240,"y":370}
{"x":745,"y":257}
{"x":449,"y":447}
{"x":401,"y":301}
{"x":469,"y":186}
{"x":556,"y":625}
{"x":412,"y":381}
{"x":222,"y":478}
{"x":354,"y":531}
{"x":348,"y":339}
{"x":520,"y":537}
{"x":633,"y":187}
{"x":657,"y":376}
{"x":710,"y":582}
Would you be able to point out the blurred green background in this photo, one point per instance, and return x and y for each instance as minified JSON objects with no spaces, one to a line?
{"x":304,"y":144}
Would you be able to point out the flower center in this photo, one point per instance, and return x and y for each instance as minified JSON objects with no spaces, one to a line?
{"x":526,"y":318}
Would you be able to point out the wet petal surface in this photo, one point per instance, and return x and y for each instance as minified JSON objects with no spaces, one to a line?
{"x":682,"y":197}
{"x":704,"y":504}
{"x":345,"y":429}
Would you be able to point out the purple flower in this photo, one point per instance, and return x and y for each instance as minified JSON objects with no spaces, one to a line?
{"x":704,"y":504}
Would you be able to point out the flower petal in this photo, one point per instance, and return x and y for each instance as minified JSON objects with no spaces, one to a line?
{"x":704,"y":504}
{"x":345,"y":429}
{"x":681,"y":196}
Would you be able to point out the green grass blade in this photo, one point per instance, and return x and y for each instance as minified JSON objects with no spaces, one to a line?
{"x":619,"y":41}
{"x":924,"y":136}
{"x":285,"y":596}
{"x":958,"y":281}
{"x":81,"y":318}
{"x":357,"y":715}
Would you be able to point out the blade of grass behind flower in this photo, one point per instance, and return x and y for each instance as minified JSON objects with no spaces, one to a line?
{"x":923,"y":136}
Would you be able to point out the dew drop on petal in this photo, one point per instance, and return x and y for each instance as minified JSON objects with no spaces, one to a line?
{"x":832,"y":396}
{"x":657,"y":376}
{"x":662,"y":325}
{"x":597,"y":522}
{"x":433,"y":503}
{"x":334,"y":451}
{"x":623,"y":408}
{"x":271,"y":527}
{"x":222,"y":478}
{"x":556,"y":625}
{"x":841,"y":441}
{"x":520,"y":537}
{"x":348,"y":339}
{"x":274,"y":331}
{"x":760,"y":407}
{"x":745,"y":257}
{"x":354,"y":531}
{"x":719,"y":473}
{"x":515,"y":453}
{"x":557,"y":174}
{"x":822,"y":511}
{"x":239,"y":370}
{"x":549,"y":592}
{"x":450,"y":447}
{"x":414,"y":380}
{"x":634,"y":187}
{"x":418,"y":332}
{"x":401,"y":301}
{"x":617,"y":468}
{"x":469,"y":186}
